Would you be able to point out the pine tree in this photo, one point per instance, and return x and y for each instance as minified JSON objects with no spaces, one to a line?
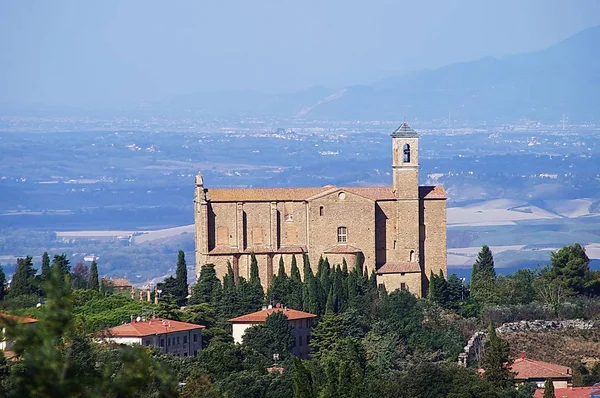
{"x":94,"y":282}
{"x":438,"y":288}
{"x":2,"y":283}
{"x":483,"y":277}
{"x":23,"y":277}
{"x":549,"y":389}
{"x":181,"y":279}
{"x":45,"y":267}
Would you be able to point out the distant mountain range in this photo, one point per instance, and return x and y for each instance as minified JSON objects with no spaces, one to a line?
{"x":545,"y":85}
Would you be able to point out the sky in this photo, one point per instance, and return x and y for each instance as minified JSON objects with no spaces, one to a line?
{"x":113,"y":52}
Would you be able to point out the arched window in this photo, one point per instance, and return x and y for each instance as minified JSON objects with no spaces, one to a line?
{"x":342,"y":235}
{"x":321,"y":211}
{"x":406,"y":150}
{"x":412,"y":256}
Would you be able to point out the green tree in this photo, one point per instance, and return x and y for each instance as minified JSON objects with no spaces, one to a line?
{"x":208,"y":288}
{"x":181,"y":279}
{"x":483,"y":277}
{"x":2,"y":283}
{"x":302,"y":380}
{"x":549,"y":389}
{"x":570,"y":267}
{"x":496,"y":360}
{"x":80,"y":276}
{"x":438,"y":289}
{"x":274,"y":337}
{"x":22,"y":281}
{"x":45,"y":267}
{"x":61,"y":262}
{"x":58,"y":360}
{"x":94,"y":282}
{"x":256,"y":292}
{"x":295,"y":299}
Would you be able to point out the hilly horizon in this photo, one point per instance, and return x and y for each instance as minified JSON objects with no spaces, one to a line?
{"x":542,"y":85}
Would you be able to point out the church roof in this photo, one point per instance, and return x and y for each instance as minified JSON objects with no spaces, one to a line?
{"x":404,"y":131}
{"x":396,"y":267}
{"x":303,"y":194}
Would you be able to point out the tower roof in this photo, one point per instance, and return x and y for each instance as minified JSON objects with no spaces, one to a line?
{"x":405,"y":131}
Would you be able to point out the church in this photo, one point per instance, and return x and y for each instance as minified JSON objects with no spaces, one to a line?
{"x":399,"y":230}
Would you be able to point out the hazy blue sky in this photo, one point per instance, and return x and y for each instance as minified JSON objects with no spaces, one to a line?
{"x":113,"y":51}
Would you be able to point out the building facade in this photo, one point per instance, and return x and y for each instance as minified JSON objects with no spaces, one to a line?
{"x":399,"y":230}
{"x":300,"y":321}
{"x":172,"y":337}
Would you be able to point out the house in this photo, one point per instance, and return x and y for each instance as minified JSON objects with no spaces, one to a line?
{"x":300,"y":321}
{"x":572,"y":392}
{"x":5,"y":345}
{"x":398,"y":231}
{"x":117,"y":285}
{"x":531,"y":371}
{"x":178,"y":338}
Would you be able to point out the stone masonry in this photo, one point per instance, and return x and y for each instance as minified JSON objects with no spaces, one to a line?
{"x":399,"y":231}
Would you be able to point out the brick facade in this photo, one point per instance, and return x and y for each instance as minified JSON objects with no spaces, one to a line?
{"x":382,"y":226}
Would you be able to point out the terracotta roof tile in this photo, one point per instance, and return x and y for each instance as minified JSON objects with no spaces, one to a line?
{"x":18,"y":319}
{"x":152,"y":327}
{"x":396,"y":267}
{"x":342,"y":249}
{"x":526,"y":368}
{"x":261,"y":316}
{"x":303,"y":194}
{"x":118,"y":282}
{"x":570,"y":392}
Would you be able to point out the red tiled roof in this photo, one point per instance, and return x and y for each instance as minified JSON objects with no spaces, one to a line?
{"x":395,"y":267}
{"x":570,"y":392}
{"x":118,"y":282}
{"x":18,"y":319}
{"x":303,"y":194}
{"x":526,"y":368}
{"x":261,"y":316}
{"x":342,"y":249}
{"x":154,"y":326}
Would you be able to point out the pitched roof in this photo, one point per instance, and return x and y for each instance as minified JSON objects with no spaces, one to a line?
{"x":395,"y":267}
{"x":18,"y":319}
{"x":570,"y":392}
{"x":404,"y":130}
{"x":303,"y":194}
{"x":261,"y":316}
{"x":151,"y":327}
{"x":526,"y":368}
{"x":118,"y":282}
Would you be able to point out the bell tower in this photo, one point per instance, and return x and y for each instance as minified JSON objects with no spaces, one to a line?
{"x":405,"y":162}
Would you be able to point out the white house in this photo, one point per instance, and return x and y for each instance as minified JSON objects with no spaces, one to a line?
{"x":300,"y":321}
{"x":4,"y":344}
{"x":178,"y":338}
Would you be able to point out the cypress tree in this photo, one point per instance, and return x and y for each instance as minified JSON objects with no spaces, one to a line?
{"x":294,"y":271}
{"x":339,"y":299}
{"x":549,"y":389}
{"x":495,"y":360}
{"x":295,"y":299}
{"x":181,"y":279}
{"x":22,"y":279}
{"x":61,"y":262}
{"x":45,"y":267}
{"x":281,"y":271}
{"x":344,"y":266}
{"x":306,"y":269}
{"x":483,"y":276}
{"x":2,"y":283}
{"x":93,"y":282}
{"x":208,"y":288}
{"x":329,"y":306}
{"x":256,"y":292}
{"x":254,"y":275}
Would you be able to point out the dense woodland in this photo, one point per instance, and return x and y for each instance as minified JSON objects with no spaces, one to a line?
{"x":366,"y":341}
